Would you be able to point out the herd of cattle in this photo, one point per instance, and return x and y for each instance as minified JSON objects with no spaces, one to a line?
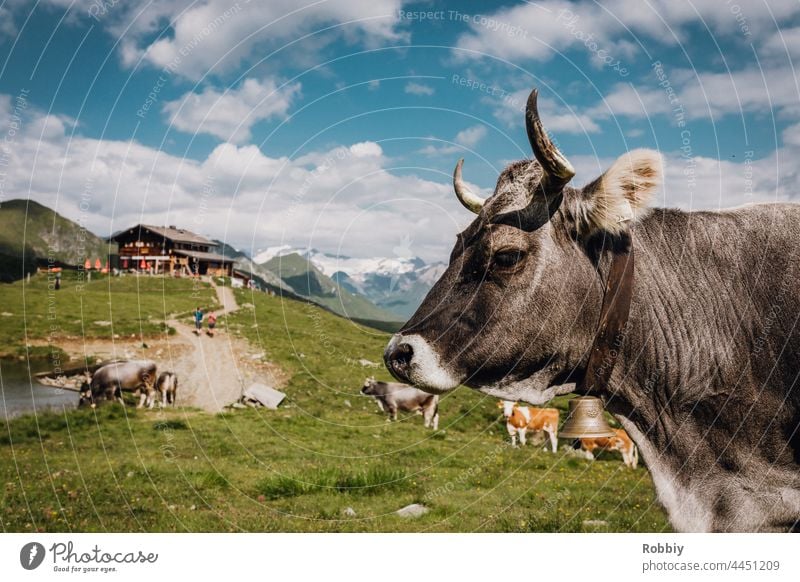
{"x":137,"y":376}
{"x":141,"y":378}
{"x":520,"y":420}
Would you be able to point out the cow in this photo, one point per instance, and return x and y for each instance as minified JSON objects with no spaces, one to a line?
{"x":619,"y":442}
{"x":521,"y":419}
{"x":167,"y":388}
{"x":706,"y":374}
{"x":109,"y":381}
{"x":392,"y":397}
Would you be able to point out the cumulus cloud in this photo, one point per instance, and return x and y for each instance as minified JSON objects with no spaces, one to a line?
{"x":703,"y":94}
{"x":218,"y":35}
{"x":230,"y":114}
{"x":470,"y":137}
{"x":342,"y":199}
{"x":466,"y":139}
{"x":7,"y":27}
{"x":413,"y":88}
{"x":538,"y":30}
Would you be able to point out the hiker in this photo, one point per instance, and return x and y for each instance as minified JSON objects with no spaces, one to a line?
{"x":198,"y":320}
{"x":212,"y":323}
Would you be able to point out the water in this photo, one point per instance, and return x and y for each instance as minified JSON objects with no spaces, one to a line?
{"x":20,"y":394}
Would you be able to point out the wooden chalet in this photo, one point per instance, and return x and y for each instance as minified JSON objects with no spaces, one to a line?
{"x":171,"y":250}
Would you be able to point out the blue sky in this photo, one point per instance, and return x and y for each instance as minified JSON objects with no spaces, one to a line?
{"x":337,"y":124}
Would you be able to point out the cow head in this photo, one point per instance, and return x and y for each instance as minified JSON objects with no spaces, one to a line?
{"x":508,"y":407}
{"x":515,"y":312}
{"x":369,"y":386}
{"x":85,"y":395}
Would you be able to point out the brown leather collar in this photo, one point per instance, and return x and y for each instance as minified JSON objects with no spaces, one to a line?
{"x":611,"y":327}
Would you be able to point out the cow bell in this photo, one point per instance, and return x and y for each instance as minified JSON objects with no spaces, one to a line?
{"x":585,"y":419}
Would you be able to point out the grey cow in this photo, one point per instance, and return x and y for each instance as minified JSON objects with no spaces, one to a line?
{"x":707,"y":380}
{"x":109,"y":381}
{"x":392,"y":397}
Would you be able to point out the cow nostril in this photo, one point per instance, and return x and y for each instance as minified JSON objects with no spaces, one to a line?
{"x":399,"y":361}
{"x":403,"y":354}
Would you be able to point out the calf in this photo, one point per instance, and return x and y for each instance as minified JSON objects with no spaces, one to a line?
{"x":167,"y":387}
{"x":393,"y":396}
{"x":619,"y":442}
{"x":521,"y":419}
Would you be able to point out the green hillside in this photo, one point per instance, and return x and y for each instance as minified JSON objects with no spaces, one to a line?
{"x":325,"y":461}
{"x":40,"y":232}
{"x":103,"y":308}
{"x":310,"y":282}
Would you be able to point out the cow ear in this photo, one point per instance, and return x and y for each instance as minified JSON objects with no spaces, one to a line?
{"x":621,"y":195}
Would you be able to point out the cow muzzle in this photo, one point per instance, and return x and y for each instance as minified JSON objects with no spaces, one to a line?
{"x":412,"y":360}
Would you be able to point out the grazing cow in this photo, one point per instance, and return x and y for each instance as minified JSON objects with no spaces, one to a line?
{"x":619,"y":442}
{"x":521,"y":419}
{"x":109,"y":381}
{"x":167,"y":387}
{"x":707,"y":374}
{"x":392,"y":397}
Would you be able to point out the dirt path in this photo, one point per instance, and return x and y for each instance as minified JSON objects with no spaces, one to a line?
{"x":212,"y":371}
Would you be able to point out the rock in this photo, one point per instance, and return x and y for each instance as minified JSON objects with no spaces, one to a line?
{"x":257,"y":356}
{"x":263,"y":394}
{"x":368,"y":364}
{"x":413,"y":510}
{"x":237,"y":405}
{"x":102,"y":323}
{"x":349,"y":512}
{"x":347,"y":404}
{"x":595,"y":523}
{"x":6,"y":314}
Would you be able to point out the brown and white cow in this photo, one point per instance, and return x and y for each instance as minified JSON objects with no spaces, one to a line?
{"x":392,"y":397}
{"x":521,"y":419}
{"x":707,"y":375}
{"x":619,"y":442}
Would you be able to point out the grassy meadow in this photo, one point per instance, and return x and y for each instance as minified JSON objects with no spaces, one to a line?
{"x":103,"y":308}
{"x":327,"y":460}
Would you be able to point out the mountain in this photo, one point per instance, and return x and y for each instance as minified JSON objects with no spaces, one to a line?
{"x":308,"y":281}
{"x":46,"y":235}
{"x":263,"y":276}
{"x":396,"y":284}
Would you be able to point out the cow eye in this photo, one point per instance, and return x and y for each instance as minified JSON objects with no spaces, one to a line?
{"x":507,"y":259}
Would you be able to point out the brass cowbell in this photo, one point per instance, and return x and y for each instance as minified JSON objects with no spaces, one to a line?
{"x":585,"y":419}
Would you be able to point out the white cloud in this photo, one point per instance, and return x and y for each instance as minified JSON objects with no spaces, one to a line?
{"x":7,"y":26}
{"x":342,"y":198}
{"x":466,"y":139}
{"x":229,"y":115}
{"x":705,"y":94}
{"x":538,"y":30}
{"x":418,"y":89}
{"x":216,"y":36}
{"x":791,"y":135}
{"x":470,"y":137}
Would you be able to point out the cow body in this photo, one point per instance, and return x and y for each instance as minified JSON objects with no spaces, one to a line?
{"x":706,"y":380}
{"x":167,"y":388}
{"x":392,"y":396}
{"x":521,"y":419}
{"x":111,"y":380}
{"x":620,"y":442}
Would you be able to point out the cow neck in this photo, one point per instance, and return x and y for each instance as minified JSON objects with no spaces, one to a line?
{"x":610,"y":334}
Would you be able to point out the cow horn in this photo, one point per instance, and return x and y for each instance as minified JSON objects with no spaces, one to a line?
{"x":557,"y":169}
{"x":556,"y":173}
{"x":470,"y":200}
